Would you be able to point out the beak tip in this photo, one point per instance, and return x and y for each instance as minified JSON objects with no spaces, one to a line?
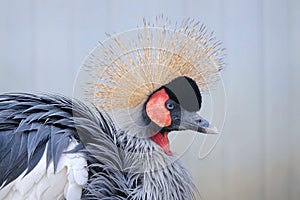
{"x":212,"y":130}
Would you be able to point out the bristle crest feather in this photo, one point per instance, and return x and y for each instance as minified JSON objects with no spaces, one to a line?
{"x":129,"y":67}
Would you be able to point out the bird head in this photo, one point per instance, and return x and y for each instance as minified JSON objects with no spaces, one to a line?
{"x":150,"y":79}
{"x":175,"y":107}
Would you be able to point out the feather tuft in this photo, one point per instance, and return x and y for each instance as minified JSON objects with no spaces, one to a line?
{"x":130,"y":66}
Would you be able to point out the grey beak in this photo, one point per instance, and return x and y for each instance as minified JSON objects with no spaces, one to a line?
{"x":193,"y":121}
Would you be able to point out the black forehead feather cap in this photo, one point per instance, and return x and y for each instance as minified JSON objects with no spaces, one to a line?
{"x":185,"y":91}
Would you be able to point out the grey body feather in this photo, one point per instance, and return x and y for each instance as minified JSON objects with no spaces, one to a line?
{"x":27,"y":123}
{"x":121,"y":166}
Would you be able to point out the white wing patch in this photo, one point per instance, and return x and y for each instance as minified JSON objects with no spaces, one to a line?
{"x":43,"y":184}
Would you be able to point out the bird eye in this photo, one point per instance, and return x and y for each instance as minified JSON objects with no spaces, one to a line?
{"x":170,"y":106}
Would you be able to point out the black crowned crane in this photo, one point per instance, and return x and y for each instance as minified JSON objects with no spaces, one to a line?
{"x":142,"y":85}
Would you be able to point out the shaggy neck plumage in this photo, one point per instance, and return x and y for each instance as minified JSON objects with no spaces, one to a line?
{"x":147,"y":173}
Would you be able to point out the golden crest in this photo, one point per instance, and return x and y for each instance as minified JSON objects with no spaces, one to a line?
{"x":130,"y":66}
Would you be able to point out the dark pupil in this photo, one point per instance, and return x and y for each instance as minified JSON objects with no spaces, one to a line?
{"x":170,"y":106}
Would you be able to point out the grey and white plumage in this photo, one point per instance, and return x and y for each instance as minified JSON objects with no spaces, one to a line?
{"x":31,"y":125}
{"x":120,"y":166}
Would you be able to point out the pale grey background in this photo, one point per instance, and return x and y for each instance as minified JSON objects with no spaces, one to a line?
{"x":43,"y":42}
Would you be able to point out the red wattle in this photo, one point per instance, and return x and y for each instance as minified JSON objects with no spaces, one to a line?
{"x":163,"y":141}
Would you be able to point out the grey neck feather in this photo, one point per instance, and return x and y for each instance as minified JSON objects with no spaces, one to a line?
{"x":143,"y":172}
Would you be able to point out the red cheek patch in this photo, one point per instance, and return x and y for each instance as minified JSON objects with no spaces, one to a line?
{"x":156,"y":109}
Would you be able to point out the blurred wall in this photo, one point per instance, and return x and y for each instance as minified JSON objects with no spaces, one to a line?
{"x":42,"y":44}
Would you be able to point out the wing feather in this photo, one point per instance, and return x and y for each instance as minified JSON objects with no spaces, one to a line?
{"x":27,"y":123}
